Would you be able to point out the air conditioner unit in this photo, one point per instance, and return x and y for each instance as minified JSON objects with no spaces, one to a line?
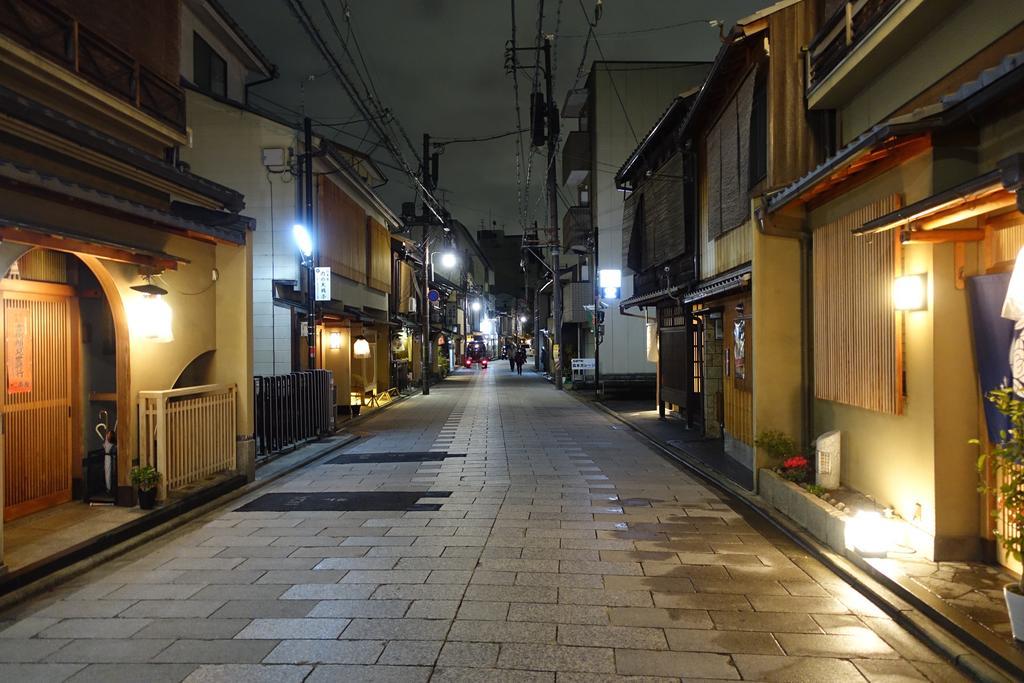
{"x":413,"y":306}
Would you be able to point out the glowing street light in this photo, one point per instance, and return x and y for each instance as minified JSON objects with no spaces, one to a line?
{"x":448,"y":260}
{"x":522,"y":318}
{"x":303,"y":240}
{"x":476,"y":306}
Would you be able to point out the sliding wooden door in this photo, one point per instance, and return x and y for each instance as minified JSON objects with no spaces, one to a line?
{"x":40,"y":323}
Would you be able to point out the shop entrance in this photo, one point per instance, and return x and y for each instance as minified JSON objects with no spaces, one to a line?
{"x":59,"y":397}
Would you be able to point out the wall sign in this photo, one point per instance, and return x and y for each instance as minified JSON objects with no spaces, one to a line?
{"x":322,"y":283}
{"x":18,"y":344}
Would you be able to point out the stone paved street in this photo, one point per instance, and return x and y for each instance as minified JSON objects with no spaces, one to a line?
{"x":566,"y":550}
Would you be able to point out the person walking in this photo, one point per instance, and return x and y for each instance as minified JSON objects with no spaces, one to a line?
{"x":520,"y":359}
{"x":511,"y":353}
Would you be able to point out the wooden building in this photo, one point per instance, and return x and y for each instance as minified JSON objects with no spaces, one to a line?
{"x":127,"y":278}
{"x":923,"y":193}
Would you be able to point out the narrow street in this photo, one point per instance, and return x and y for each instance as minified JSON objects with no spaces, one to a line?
{"x":494,"y":530}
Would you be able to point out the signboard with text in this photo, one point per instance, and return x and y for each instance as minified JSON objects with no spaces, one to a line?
{"x":18,"y":345}
{"x":322,"y":283}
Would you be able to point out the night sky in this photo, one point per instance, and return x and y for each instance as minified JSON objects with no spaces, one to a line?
{"x":439,"y":65}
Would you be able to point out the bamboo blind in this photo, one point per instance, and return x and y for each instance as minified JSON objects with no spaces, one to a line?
{"x":857,"y":344}
{"x":1007,"y":242}
{"x":341,"y":233}
{"x":404,"y":286}
{"x":43,"y":265}
{"x":378,"y":256}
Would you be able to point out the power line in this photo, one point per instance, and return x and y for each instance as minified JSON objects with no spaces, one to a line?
{"x":652,"y":29}
{"x":441,"y":142}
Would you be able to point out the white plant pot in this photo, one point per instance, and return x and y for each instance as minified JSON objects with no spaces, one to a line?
{"x":1015,"y":606}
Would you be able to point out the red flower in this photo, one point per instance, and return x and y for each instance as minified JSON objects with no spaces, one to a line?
{"x":797,"y":462}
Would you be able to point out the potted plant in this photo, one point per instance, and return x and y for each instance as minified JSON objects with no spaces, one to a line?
{"x":1005,"y":480}
{"x":795,"y":469}
{"x":146,"y":479}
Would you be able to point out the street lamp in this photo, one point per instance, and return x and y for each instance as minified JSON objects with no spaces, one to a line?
{"x":476,"y":306}
{"x":448,"y":260}
{"x":304,"y":242}
{"x":522,"y":318}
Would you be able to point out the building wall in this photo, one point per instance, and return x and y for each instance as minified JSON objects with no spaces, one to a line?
{"x":190,"y":25}
{"x":645,"y":91}
{"x":893,"y":457}
{"x":227,"y":144}
{"x":953,"y":39}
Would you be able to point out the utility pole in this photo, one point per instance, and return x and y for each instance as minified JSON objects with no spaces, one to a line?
{"x":428,"y":182}
{"x":307,"y":129}
{"x":556,"y":244}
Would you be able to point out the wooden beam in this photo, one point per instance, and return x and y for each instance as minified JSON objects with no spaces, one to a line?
{"x":897,"y":155}
{"x":19,"y":236}
{"x":987,"y":204}
{"x":942,"y":236}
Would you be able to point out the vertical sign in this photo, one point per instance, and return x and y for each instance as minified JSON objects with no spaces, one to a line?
{"x":322,"y":277}
{"x":18,"y":344}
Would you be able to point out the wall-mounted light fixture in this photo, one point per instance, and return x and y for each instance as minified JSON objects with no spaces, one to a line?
{"x":448,"y":260}
{"x":361,"y":347}
{"x":303,"y":240}
{"x":910,"y":292}
{"x":150,"y":314}
{"x":522,"y":318}
{"x":476,"y":306}
{"x":334,"y":340}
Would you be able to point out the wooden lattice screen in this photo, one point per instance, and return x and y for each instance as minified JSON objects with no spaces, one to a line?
{"x":378,"y":256}
{"x":341,"y":232}
{"x":857,"y":341}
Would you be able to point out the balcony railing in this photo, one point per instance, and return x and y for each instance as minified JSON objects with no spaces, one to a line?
{"x":59,"y":37}
{"x":187,"y":434}
{"x":841,"y":34}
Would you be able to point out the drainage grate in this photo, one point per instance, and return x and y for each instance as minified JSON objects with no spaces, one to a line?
{"x":361,"y":458}
{"x":344,"y":501}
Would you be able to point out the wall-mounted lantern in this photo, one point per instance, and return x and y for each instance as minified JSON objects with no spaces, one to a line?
{"x":150,"y":313}
{"x":610,"y":282}
{"x":910,"y":292}
{"x":361,"y":347}
{"x":334,"y":341}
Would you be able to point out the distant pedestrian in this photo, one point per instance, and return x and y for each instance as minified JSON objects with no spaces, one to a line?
{"x":520,"y":360}
{"x":511,"y":359}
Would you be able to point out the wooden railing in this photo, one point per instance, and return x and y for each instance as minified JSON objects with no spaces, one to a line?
{"x":58,"y":36}
{"x":187,"y":434}
{"x":841,"y":34}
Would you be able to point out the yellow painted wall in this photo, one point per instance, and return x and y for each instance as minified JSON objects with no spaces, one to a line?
{"x":893,"y":457}
{"x":955,"y":38}
{"x":777,"y":303}
{"x":338,"y":361}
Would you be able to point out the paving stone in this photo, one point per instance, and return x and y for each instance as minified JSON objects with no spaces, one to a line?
{"x":473,"y":655}
{"x":433,"y":609}
{"x":108,"y":650}
{"x":396,"y":629}
{"x":26,"y":628}
{"x":33,"y":650}
{"x":251,"y":673}
{"x":502,"y":632}
{"x":411,"y":652}
{"x":726,"y":642}
{"x":202,"y":629}
{"x":326,"y":652}
{"x":279,"y":629}
{"x":216,"y":651}
{"x":69,"y":609}
{"x":173,"y":608}
{"x":375,"y":609}
{"x":776,"y":622}
{"x":131,"y":673}
{"x":799,"y":669}
{"x":328,"y":591}
{"x":658,"y":617}
{"x":864,"y":644}
{"x":95,"y":628}
{"x":612,"y":636}
{"x":38,"y":673}
{"x":264,"y":609}
{"x":556,"y":658}
{"x":671,"y":664}
{"x":369,"y":674}
{"x":466,"y":675}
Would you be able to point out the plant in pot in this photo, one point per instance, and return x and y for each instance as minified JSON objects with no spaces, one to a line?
{"x":146,"y":479}
{"x":1004,"y":479}
{"x":795,"y":469}
{"x":776,"y":444}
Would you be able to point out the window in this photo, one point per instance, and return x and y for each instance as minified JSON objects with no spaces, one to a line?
{"x":209,"y":70}
{"x":758,"y":134}
{"x":857,"y":341}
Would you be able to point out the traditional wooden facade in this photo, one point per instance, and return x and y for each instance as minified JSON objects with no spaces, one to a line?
{"x":928,"y":119}
{"x":124,"y":272}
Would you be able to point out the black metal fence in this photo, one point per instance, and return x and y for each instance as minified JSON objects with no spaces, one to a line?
{"x":292,"y":409}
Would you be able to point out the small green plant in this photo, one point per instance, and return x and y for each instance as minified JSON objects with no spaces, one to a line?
{"x":146,"y":478}
{"x":816,"y":490}
{"x":1005,"y":465}
{"x":776,"y":444}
